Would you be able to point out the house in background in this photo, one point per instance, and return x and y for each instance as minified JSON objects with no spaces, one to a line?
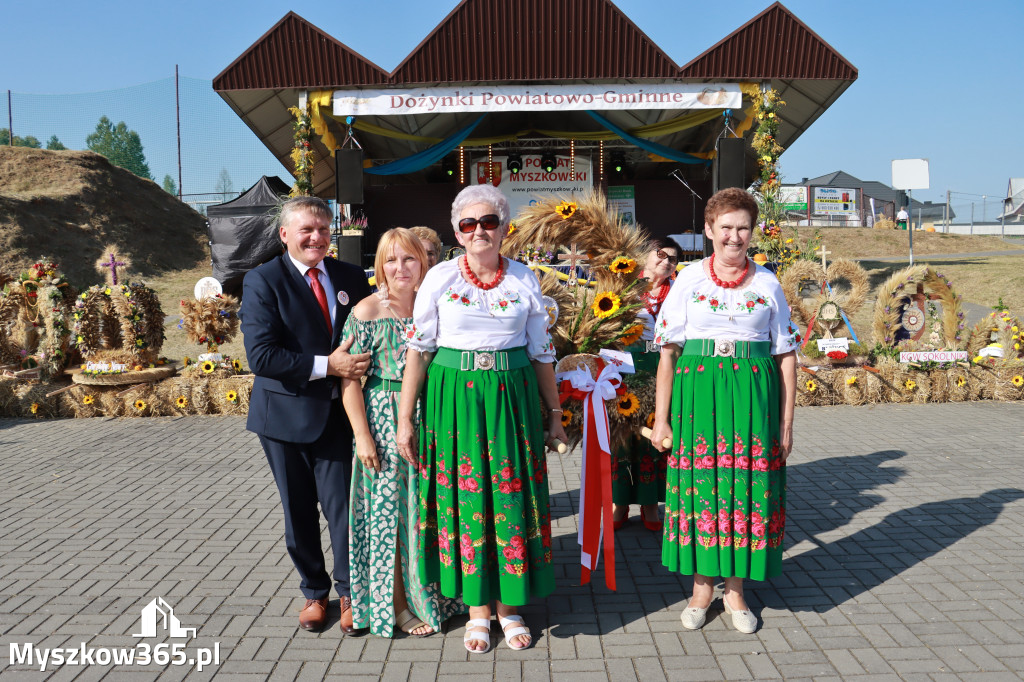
{"x":1013,"y":204}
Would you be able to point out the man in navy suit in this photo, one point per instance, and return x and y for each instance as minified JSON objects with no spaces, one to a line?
{"x":293,"y":310}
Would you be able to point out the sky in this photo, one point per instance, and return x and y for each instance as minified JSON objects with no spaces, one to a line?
{"x":935,"y":76}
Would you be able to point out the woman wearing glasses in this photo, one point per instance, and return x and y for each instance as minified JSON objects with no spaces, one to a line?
{"x":479,"y":342}
{"x":726,"y":390}
{"x":638,"y":470}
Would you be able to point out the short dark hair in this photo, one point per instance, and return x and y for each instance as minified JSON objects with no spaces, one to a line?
{"x":730,"y":199}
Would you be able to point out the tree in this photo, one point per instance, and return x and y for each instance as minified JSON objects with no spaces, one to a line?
{"x":121,"y":146}
{"x":224,"y":184}
{"x":170,"y":186}
{"x":28,"y":141}
{"x":54,"y":143}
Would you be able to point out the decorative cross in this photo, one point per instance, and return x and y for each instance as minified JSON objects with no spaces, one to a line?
{"x":113,"y":268}
{"x":824,"y":256}
{"x":572,"y":257}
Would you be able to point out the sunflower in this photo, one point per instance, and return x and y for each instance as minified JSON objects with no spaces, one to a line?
{"x":811,"y":385}
{"x":566,"y":418}
{"x":1018,"y":381}
{"x":623,"y":265}
{"x":237,"y":364}
{"x":632,"y":334}
{"x":650,"y":421}
{"x":182,"y":402}
{"x":34,"y":408}
{"x":850,"y":381}
{"x":187,"y":361}
{"x":960,"y":381}
{"x":909,"y":384}
{"x":627,"y":404}
{"x":566,"y":209}
{"x":231,"y":396}
{"x":88,"y":400}
{"x":140,"y":405}
{"x":208,"y":366}
{"x":511,"y":227}
{"x":605,"y":305}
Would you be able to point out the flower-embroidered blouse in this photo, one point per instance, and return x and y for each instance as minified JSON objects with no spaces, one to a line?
{"x":697,"y":308}
{"x":453,"y":313}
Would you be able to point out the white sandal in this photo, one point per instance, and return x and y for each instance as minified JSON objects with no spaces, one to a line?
{"x":515,"y":632}
{"x":484,"y":637}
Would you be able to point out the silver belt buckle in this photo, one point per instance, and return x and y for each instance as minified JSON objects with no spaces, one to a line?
{"x":725,"y":348}
{"x":653,"y":347}
{"x":483,"y":360}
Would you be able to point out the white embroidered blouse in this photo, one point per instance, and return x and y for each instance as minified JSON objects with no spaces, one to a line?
{"x":697,"y":308}
{"x":453,"y":313}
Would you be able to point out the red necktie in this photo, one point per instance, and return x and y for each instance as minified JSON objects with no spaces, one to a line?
{"x":321,"y":295}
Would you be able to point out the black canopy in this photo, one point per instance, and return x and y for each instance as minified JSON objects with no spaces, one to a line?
{"x":243,"y":232}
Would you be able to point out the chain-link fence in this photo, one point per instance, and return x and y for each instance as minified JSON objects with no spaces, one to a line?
{"x":220,"y":156}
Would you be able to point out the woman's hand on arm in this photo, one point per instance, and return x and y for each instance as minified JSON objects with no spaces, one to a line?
{"x":545,"y":372}
{"x":662,"y":430}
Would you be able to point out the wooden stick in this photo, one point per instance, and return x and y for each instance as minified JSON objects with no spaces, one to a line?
{"x":129,"y":390}
{"x":647,"y":433}
{"x":559,"y":447}
{"x":59,"y":390}
{"x":809,"y":371}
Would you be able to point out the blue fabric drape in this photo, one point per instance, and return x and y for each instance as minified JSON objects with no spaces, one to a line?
{"x":653,"y":147}
{"x":427,"y":157}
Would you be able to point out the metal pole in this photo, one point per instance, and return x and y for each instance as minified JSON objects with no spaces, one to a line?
{"x":177,"y":117}
{"x":972,"y":217}
{"x":947,"y":218}
{"x":910,"y":227}
{"x":10,"y":122}
{"x":984,"y":216}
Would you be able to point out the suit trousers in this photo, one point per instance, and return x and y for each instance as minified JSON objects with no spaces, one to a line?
{"x":308,"y":473}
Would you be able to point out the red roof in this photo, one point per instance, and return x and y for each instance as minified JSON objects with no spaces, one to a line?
{"x":774,"y":44}
{"x":296,"y":54}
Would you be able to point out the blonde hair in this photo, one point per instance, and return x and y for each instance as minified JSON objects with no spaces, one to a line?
{"x":408,"y":241}
{"x":430,"y":235}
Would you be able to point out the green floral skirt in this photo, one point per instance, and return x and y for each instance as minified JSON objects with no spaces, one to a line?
{"x":638,"y":469}
{"x":725,"y":503}
{"x":485,"y":529}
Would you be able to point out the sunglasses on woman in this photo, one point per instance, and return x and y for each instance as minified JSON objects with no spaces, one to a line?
{"x":667,"y":256}
{"x":488,"y":222}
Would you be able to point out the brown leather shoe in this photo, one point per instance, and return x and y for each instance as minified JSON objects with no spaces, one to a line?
{"x":346,"y":615}
{"x":314,"y":614}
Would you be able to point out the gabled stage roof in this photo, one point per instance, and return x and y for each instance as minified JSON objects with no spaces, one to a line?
{"x":532,"y":41}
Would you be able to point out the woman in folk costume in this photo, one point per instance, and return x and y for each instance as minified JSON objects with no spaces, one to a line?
{"x":638,"y":469}
{"x":726,"y":391}
{"x":480,"y":351}
{"x":383,"y":541}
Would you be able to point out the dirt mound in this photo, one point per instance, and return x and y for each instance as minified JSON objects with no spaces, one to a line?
{"x":67,"y":205}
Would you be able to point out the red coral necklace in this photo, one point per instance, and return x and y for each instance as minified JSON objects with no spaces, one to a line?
{"x":727,"y":285}
{"x":653,"y":303}
{"x":475,"y":281}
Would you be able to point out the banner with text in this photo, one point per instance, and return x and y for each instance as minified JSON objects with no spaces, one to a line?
{"x":523,"y":188}
{"x":450,"y":100}
{"x":835,"y":201}
{"x":793,"y":197}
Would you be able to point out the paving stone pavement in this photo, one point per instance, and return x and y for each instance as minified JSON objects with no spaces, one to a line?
{"x":904,"y":560}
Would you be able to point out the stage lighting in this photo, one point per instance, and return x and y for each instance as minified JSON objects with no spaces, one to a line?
{"x":548,"y":162}
{"x":448,"y":167}
{"x":515,"y":163}
{"x":618,"y":162}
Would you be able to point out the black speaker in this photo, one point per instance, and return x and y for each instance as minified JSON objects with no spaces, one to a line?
{"x":350,"y":250}
{"x":729,"y":163}
{"x":348,"y":176}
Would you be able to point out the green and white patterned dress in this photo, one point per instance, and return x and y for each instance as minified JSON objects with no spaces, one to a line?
{"x":385,"y":504}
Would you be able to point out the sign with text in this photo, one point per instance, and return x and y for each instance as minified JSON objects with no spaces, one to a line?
{"x":835,"y":201}
{"x":934,"y":356}
{"x":793,"y":198}
{"x":842,"y":343}
{"x":523,"y":188}
{"x":622,"y":198}
{"x":576,"y":97}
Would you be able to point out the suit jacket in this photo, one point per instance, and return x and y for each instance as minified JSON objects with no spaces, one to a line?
{"x":283,"y":329}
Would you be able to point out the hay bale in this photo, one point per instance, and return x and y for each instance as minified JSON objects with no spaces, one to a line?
{"x":1008,"y":382}
{"x":240,"y":386}
{"x":82,"y":402}
{"x":852,"y":385}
